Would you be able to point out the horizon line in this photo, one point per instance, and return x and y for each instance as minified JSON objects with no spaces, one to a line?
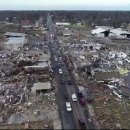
{"x":70,"y":10}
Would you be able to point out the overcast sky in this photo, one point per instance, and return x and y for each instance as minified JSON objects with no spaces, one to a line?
{"x":64,"y":4}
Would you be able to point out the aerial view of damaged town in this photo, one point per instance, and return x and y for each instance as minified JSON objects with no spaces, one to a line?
{"x":64,"y":69}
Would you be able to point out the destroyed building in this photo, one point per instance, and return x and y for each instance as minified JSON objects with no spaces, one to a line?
{"x":41,"y":87}
{"x":103,"y":31}
{"x":15,"y":41}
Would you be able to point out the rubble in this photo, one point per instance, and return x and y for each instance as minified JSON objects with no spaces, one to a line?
{"x":37,"y":112}
{"x":19,"y":70}
{"x":104,"y":71}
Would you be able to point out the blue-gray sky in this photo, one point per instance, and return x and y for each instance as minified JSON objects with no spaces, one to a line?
{"x":64,"y":4}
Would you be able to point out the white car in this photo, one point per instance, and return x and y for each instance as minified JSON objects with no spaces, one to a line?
{"x":74,"y":97}
{"x":60,"y":71}
{"x":56,"y":59}
{"x":68,"y":106}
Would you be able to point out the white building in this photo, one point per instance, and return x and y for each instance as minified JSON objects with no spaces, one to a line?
{"x":28,"y":26}
{"x":118,"y":33}
{"x":100,"y":31}
{"x":62,"y":24}
{"x":15,"y":43}
{"x":67,"y":33}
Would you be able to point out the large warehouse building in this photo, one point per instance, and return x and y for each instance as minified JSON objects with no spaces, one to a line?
{"x":15,"y":41}
{"x":13,"y":34}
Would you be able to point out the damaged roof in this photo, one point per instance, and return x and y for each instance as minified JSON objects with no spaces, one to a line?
{"x":14,"y":34}
{"x":119,"y":32}
{"x":18,"y":40}
{"x":41,"y":86}
{"x":98,"y":30}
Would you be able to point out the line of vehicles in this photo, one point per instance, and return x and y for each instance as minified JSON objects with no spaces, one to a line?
{"x":69,"y":107}
{"x":74,"y":97}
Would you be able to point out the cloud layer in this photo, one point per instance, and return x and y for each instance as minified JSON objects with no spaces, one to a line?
{"x":64,"y":4}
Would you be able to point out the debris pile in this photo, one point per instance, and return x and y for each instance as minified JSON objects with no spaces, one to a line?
{"x":105,"y":72}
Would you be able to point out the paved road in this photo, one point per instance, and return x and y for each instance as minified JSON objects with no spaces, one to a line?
{"x":69,"y":120}
{"x":80,"y":111}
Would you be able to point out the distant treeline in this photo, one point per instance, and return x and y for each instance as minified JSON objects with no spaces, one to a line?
{"x":113,"y":18}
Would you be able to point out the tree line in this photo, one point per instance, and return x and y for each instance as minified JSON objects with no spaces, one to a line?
{"x":111,"y":18}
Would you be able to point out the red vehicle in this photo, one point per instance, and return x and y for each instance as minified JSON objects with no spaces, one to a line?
{"x":81,"y":98}
{"x":82,"y":124}
{"x":65,"y":59}
{"x":82,"y":101}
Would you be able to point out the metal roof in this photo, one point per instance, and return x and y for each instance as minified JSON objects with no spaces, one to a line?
{"x":40,"y":65}
{"x":98,"y":30}
{"x":14,"y":34}
{"x":119,"y":32}
{"x":41,"y":86}
{"x":62,"y":23}
{"x":19,"y":40}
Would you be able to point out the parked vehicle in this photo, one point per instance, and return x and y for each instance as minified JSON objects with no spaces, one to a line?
{"x":62,"y":81}
{"x":60,"y":71}
{"x":74,"y":97}
{"x":56,"y":59}
{"x":69,"y":81}
{"x":66,"y":96}
{"x":81,"y":98}
{"x":68,"y":107}
{"x":66,"y":73}
{"x":82,"y":101}
{"x":82,"y":124}
{"x":58,"y":65}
